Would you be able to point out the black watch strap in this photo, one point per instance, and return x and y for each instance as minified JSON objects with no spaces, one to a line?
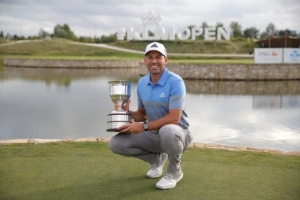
{"x":146,"y":127}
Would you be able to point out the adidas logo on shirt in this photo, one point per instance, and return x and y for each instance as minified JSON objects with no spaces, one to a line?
{"x":162,"y":95}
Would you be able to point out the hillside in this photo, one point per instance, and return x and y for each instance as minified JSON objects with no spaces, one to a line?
{"x":55,"y":47}
{"x":58,"y":46}
{"x":66,"y":49}
{"x":238,"y":46}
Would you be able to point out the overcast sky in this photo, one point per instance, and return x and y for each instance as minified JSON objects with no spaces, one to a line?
{"x":104,"y":17}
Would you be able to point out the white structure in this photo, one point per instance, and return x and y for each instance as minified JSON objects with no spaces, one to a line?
{"x":291,"y":55}
{"x":277,"y":55}
{"x":268,"y":55}
{"x":276,"y":102}
{"x":152,"y":30}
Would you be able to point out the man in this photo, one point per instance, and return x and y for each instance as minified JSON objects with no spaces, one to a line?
{"x":164,"y":132}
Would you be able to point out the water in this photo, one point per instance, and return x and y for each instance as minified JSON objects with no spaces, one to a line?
{"x":74,"y":103}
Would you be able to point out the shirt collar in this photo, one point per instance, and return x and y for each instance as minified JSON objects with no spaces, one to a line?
{"x":162,"y":80}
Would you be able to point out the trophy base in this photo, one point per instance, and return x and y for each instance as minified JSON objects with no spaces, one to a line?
{"x":117,"y":119}
{"x":113,"y":126}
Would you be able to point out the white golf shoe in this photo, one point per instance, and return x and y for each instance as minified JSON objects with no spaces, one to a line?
{"x":157,"y":168}
{"x":169,"y":180}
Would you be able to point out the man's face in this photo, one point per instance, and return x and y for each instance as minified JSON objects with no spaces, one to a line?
{"x":155,"y":62}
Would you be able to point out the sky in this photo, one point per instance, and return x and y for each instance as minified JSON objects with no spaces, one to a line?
{"x":105,"y":17}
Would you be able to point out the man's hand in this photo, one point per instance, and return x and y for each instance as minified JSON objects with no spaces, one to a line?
{"x":133,"y":127}
{"x":125,"y":106}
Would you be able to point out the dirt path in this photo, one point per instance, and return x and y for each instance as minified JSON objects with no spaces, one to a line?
{"x":142,"y":52}
{"x":236,"y":48}
{"x":174,"y":54}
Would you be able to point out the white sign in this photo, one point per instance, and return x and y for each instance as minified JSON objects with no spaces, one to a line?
{"x":268,"y":55}
{"x":263,"y":102}
{"x":291,"y":55}
{"x":271,"y":102}
{"x":292,"y":101}
{"x":152,"y":30}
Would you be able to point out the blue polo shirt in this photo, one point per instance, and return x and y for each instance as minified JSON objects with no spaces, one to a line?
{"x":168,"y":93}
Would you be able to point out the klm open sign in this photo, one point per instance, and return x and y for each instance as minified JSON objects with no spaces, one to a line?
{"x":152,"y":30}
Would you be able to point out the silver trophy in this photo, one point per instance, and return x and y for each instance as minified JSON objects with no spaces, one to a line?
{"x":120,"y":92}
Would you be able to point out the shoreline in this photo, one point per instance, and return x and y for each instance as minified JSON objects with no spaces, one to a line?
{"x":201,"y":71}
{"x":192,"y":145}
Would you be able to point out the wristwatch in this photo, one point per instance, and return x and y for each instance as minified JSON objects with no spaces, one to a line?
{"x":146,"y":127}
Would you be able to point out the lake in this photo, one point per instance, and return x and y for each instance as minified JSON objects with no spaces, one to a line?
{"x":74,"y":103}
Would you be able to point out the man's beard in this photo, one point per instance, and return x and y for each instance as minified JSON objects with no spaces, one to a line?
{"x":155,"y":71}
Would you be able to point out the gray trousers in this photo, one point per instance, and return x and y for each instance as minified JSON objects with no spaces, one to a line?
{"x":148,"y":145}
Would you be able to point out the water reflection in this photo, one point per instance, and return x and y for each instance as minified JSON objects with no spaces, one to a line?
{"x":243,"y":87}
{"x":65,"y":76}
{"x":276,"y":102}
{"x":60,"y":103}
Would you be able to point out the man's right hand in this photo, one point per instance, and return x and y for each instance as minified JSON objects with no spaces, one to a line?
{"x":125,"y":106}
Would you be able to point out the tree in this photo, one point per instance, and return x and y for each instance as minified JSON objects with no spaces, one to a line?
{"x":284,"y":32}
{"x":271,"y":30}
{"x":1,"y":34}
{"x":236,"y":29}
{"x":86,"y":39}
{"x":191,"y":27}
{"x":60,"y":32}
{"x":219,"y":24}
{"x":72,"y":36}
{"x":66,"y":28}
{"x":251,"y":32}
{"x":204,"y":25}
{"x":64,"y":31}
{"x":42,"y":33}
{"x":108,"y":39}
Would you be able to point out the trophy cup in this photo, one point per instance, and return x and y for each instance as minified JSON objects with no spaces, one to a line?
{"x":120,"y":92}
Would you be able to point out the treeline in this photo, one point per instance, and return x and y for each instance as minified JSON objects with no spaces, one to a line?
{"x":64,"y":31}
{"x":253,"y":32}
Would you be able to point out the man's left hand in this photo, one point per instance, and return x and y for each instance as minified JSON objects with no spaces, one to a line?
{"x":133,"y":127}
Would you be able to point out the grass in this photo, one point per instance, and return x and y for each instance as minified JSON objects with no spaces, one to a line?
{"x":62,"y":49}
{"x":194,"y":47}
{"x":3,"y":40}
{"x":1,"y":63}
{"x":89,"y":170}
